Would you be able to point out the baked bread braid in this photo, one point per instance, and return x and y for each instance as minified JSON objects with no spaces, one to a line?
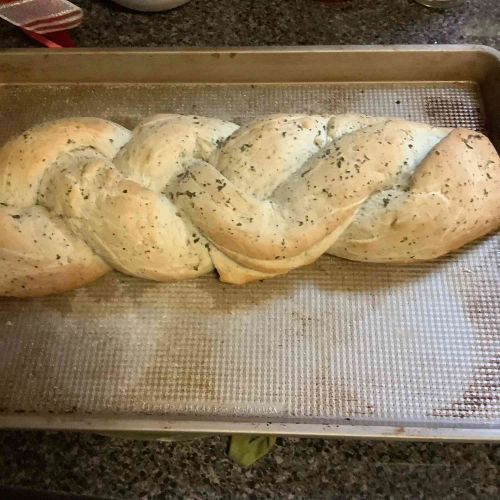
{"x":180,"y":195}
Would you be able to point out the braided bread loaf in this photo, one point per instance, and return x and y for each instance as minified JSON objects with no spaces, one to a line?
{"x":183,"y":194}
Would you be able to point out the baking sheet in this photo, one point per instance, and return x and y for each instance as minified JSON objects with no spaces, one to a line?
{"x":336,"y":343}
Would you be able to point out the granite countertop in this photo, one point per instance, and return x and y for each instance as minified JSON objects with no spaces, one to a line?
{"x":281,"y":22}
{"x":297,"y":468}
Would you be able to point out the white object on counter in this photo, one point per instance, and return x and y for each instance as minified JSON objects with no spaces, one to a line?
{"x":151,"y":5}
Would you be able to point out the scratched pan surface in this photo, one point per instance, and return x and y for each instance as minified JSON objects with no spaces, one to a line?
{"x":337,"y":342}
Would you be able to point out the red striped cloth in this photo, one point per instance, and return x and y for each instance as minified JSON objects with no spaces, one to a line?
{"x":41,"y":16}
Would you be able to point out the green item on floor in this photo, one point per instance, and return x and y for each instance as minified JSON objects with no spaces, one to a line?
{"x":246,"y":450}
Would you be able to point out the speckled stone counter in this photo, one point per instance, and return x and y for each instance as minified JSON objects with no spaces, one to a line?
{"x":281,"y":22}
{"x":296,"y":468}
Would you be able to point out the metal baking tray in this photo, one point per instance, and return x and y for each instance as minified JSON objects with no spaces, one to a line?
{"x":337,"y":348}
